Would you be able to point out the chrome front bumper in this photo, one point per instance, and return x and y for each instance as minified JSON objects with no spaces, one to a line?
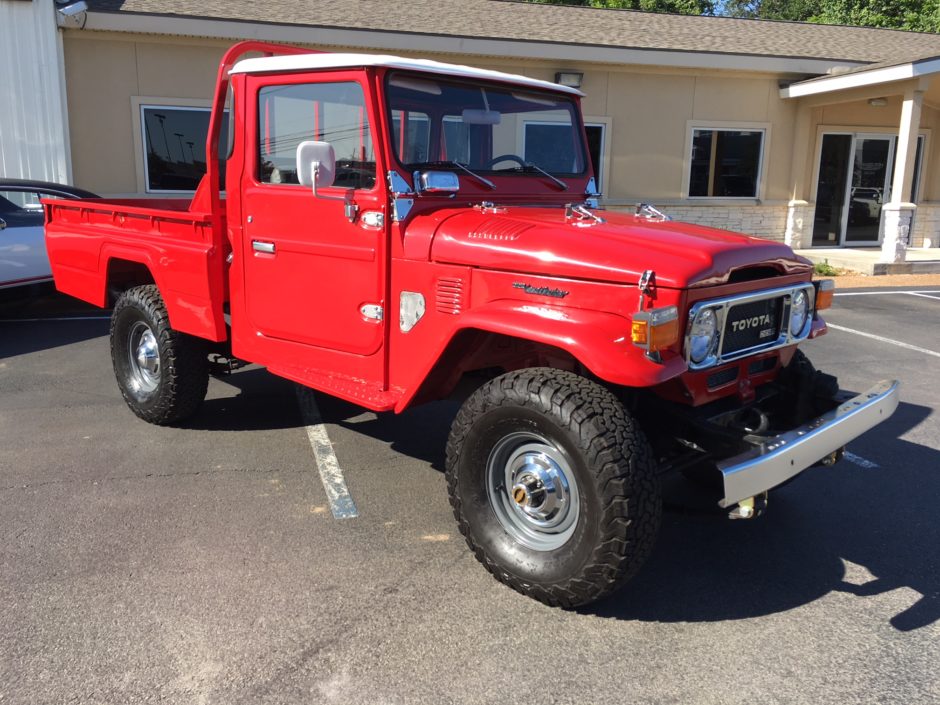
{"x":777,"y":459}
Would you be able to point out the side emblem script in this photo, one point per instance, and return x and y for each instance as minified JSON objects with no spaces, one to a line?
{"x":540,"y":290}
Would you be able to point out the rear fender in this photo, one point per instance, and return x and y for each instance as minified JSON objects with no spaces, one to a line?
{"x":599,"y":341}
{"x":189,"y":313}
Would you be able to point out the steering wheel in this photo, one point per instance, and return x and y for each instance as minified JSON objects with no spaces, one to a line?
{"x":505,"y":158}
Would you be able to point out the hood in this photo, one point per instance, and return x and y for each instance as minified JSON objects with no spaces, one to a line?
{"x":544,"y":241}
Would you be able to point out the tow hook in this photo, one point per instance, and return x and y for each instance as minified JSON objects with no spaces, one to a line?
{"x":749,"y":508}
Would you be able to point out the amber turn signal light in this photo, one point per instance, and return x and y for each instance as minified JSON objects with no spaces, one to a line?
{"x":656,"y":329}
{"x":825,"y":288}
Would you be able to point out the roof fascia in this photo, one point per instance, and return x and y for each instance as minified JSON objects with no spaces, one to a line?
{"x":444,"y":44}
{"x":860,"y":79}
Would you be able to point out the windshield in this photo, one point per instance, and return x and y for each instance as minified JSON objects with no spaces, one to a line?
{"x":486,"y":127}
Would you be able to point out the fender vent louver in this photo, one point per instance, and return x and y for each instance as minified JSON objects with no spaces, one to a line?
{"x":450,"y":295}
{"x":499,"y":229}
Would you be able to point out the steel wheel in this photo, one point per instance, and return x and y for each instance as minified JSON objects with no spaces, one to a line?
{"x":553,"y":485}
{"x":533,"y":491}
{"x":143,"y":358}
{"x":163,"y":374}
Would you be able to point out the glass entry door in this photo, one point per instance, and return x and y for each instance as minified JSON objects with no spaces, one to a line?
{"x":870,"y":189}
{"x":853,"y":185}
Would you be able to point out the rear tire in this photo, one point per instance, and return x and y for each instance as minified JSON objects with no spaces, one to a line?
{"x":163,"y":374}
{"x":553,"y":486}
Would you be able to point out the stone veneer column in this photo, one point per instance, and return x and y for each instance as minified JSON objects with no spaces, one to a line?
{"x":799,"y":232}
{"x":897,"y":220}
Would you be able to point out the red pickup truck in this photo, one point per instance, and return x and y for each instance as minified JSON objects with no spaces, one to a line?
{"x":394,"y":231}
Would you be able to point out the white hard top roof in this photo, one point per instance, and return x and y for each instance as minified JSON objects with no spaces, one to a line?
{"x":302,"y":62}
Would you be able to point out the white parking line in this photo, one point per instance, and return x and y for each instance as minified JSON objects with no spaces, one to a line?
{"x":62,"y":318}
{"x":885,"y":293}
{"x":881,"y":339}
{"x":926,"y":296}
{"x":341,"y":502}
{"x":860,"y":461}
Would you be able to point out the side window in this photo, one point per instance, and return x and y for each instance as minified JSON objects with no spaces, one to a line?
{"x":19,"y":208}
{"x":325,"y":112}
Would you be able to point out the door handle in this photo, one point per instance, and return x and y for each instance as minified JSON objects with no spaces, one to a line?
{"x":262,"y":246}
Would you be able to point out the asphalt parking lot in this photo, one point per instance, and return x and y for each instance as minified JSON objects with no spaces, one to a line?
{"x":202,"y":564}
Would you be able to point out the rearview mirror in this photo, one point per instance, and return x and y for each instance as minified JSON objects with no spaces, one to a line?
{"x":316,"y":164}
{"x":474,"y":116}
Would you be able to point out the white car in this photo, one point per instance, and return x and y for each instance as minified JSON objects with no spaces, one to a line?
{"x":23,"y":259}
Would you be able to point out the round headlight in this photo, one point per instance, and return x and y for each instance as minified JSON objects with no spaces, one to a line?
{"x":799,"y":312}
{"x":703,"y":335}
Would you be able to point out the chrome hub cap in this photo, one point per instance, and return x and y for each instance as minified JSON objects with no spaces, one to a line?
{"x":144,"y":358}
{"x":533,"y":491}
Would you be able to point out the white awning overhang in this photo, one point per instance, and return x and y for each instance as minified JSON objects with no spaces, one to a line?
{"x":863,"y":78}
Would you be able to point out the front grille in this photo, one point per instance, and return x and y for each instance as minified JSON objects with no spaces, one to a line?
{"x":748,"y":325}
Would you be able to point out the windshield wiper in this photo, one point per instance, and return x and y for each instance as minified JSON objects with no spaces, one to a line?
{"x":558,"y":182}
{"x":485,"y":182}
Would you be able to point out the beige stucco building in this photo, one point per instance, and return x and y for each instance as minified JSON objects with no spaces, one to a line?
{"x":820,"y":136}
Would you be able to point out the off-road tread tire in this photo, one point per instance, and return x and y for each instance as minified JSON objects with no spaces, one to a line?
{"x":615,"y":451}
{"x":184,"y":375}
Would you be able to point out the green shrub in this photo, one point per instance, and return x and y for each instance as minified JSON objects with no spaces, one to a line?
{"x":825,"y":269}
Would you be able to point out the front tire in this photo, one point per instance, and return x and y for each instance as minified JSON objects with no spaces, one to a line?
{"x":553,"y":485}
{"x":163,"y":374}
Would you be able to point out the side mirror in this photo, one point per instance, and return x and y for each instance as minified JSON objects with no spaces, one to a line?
{"x":3,"y":224}
{"x":316,"y":167}
{"x":436,"y":182}
{"x":316,"y":164}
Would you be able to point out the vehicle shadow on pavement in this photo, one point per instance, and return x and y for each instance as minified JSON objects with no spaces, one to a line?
{"x":23,"y":338}
{"x":29,"y":321}
{"x":419,"y":433}
{"x":261,"y":401}
{"x":849,"y":529}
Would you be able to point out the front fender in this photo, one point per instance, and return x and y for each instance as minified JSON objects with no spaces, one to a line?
{"x":600,"y":341}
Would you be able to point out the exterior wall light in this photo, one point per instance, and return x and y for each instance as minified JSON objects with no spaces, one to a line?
{"x":878,"y":102}
{"x":572,"y":79}
{"x":71,"y":14}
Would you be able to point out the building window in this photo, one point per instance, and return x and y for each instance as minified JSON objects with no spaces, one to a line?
{"x":175,"y":147}
{"x":325,"y":112}
{"x":596,"y":134}
{"x":726,"y":163}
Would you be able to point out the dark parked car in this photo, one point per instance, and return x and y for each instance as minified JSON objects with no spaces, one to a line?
{"x":23,"y":257}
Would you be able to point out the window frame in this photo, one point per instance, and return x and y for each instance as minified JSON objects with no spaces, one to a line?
{"x":577,"y":119}
{"x":259,"y":82}
{"x":726,"y":126}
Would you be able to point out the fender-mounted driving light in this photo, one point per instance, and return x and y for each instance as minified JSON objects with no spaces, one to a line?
{"x":656,"y":329}
{"x":825,"y":289}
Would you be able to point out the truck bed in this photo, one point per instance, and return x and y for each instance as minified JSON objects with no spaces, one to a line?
{"x":96,"y":244}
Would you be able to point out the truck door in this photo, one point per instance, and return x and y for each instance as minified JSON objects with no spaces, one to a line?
{"x":314,"y":282}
